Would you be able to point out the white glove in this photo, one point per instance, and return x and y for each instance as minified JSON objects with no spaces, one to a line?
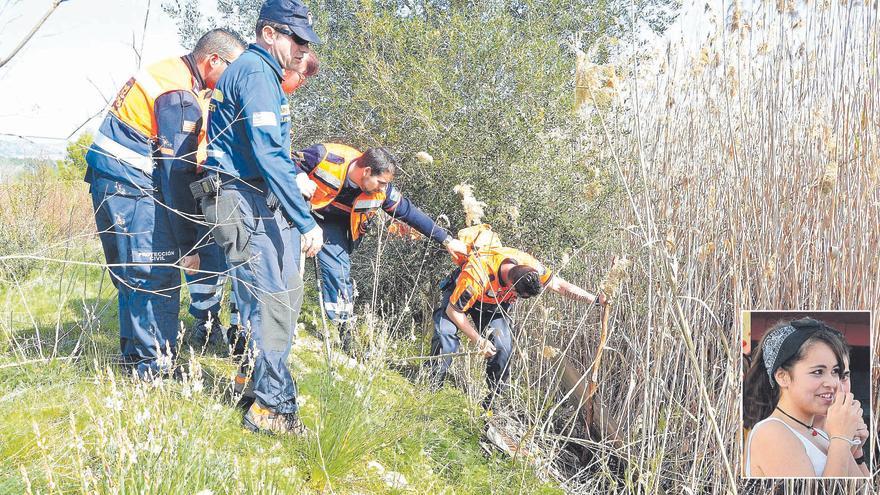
{"x":306,"y":186}
{"x":312,"y":241}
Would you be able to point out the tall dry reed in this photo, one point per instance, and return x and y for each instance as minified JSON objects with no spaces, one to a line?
{"x":748,"y":168}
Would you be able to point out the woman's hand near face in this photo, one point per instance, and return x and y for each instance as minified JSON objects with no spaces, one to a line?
{"x":844,"y":415}
{"x":861,"y":434}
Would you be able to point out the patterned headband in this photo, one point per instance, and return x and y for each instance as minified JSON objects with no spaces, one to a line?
{"x":772,"y":345}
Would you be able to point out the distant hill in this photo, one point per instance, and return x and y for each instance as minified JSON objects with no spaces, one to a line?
{"x":11,"y":147}
{"x":19,"y":155}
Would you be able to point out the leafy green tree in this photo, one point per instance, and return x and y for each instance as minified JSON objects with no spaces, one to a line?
{"x":485,"y":87}
{"x":73,"y":167}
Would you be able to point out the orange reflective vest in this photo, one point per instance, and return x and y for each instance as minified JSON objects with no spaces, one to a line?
{"x":130,"y":128}
{"x":479,"y":280}
{"x":329,"y":176}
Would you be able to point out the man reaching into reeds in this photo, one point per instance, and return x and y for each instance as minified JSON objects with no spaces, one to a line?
{"x":346,"y":189}
{"x":484,"y":287}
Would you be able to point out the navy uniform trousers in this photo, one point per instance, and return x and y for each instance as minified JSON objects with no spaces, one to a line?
{"x":268,"y":289}
{"x":485,"y":316}
{"x":337,"y":287}
{"x":135,"y":233}
{"x":206,"y":287}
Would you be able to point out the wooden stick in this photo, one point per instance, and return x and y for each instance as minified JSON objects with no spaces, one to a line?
{"x":594,"y":369}
{"x":438,"y":356}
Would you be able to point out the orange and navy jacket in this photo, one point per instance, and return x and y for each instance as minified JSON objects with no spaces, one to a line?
{"x":156,"y":124}
{"x":479,"y":280}
{"x":338,"y":199}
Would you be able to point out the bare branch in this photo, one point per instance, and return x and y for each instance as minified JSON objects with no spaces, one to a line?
{"x":137,"y":54}
{"x":33,"y":31}
{"x":140,"y":51}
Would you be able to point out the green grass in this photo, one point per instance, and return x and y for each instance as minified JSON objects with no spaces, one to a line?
{"x":76,"y":426}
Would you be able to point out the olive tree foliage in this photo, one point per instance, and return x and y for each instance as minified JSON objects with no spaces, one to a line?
{"x":73,"y":167}
{"x":485,"y":87}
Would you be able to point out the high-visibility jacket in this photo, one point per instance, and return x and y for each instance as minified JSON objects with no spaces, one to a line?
{"x":329,"y":176}
{"x":479,"y":280}
{"x":127,"y":139}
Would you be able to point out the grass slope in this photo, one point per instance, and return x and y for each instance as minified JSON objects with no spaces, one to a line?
{"x":77,"y":426}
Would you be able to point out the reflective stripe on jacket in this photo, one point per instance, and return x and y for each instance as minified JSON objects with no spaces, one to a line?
{"x":126,"y":139}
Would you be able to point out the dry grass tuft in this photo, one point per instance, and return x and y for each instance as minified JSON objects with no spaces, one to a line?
{"x":473,"y":208}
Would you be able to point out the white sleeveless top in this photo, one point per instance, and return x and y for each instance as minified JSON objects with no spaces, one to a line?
{"x":817,"y":457}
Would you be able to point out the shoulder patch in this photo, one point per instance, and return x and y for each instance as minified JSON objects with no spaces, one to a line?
{"x":334,"y":158}
{"x":264,"y":119}
{"x":120,"y":97}
{"x":217,"y":96}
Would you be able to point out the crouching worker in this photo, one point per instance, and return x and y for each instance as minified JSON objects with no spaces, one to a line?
{"x":484,"y":287}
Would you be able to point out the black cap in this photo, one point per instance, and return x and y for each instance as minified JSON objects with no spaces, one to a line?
{"x":291,"y":13}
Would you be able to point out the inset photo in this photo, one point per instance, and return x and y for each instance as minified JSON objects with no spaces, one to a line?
{"x":806,"y":394}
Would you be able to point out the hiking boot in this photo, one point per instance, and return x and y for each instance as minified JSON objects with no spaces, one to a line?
{"x":152,"y":370}
{"x":243,"y":385}
{"x":495,"y":399}
{"x":346,"y":340}
{"x":206,"y":333}
{"x":237,"y":340}
{"x":243,"y":391}
{"x":261,"y":419}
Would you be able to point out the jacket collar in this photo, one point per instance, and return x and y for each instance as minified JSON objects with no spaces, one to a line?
{"x":190,"y":62}
{"x":265,"y":55}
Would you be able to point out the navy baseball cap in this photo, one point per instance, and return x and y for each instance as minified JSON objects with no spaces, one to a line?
{"x":291,"y":13}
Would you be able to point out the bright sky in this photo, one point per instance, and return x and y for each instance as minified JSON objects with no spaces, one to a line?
{"x":83,"y":54}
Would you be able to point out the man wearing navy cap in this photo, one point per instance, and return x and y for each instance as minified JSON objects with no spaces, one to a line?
{"x":249,"y":158}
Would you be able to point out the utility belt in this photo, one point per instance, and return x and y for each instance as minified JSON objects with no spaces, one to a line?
{"x":212,"y":186}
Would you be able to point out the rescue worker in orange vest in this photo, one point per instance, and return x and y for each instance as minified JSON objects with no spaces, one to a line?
{"x":484,"y":287}
{"x":346,"y":188}
{"x":152,"y":135}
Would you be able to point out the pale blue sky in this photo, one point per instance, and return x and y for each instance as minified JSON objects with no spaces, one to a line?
{"x":82,"y":55}
{"x":46,"y":90}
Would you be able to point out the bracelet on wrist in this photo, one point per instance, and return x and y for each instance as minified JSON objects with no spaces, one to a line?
{"x":852,"y":443}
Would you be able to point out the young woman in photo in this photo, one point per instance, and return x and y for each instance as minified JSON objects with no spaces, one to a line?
{"x":795,"y":377}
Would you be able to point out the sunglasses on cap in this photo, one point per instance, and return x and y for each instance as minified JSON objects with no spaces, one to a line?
{"x":296,"y":39}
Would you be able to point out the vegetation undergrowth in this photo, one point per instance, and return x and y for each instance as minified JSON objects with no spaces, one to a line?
{"x":76,"y":424}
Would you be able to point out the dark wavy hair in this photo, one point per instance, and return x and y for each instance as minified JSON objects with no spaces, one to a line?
{"x":380,"y":161}
{"x":525,"y":281}
{"x":759,"y":397}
